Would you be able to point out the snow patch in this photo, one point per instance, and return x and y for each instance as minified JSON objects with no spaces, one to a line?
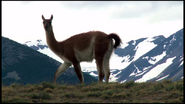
{"x":134,"y":42}
{"x":113,"y":77}
{"x":181,"y":58}
{"x":93,"y":74}
{"x":113,"y":70}
{"x":147,"y":68}
{"x":162,"y":77}
{"x":123,"y":81}
{"x":181,"y":63}
{"x":145,"y":57}
{"x":159,"y":75}
{"x":156,"y":70}
{"x":164,"y":46}
{"x":143,"y":47}
{"x":132,"y":74}
{"x":157,"y":58}
{"x":140,"y":73}
{"x":173,"y":39}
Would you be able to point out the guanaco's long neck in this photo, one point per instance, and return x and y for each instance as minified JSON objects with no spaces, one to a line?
{"x":51,"y":41}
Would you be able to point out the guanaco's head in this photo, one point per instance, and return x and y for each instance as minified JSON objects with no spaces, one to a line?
{"x":47,"y":23}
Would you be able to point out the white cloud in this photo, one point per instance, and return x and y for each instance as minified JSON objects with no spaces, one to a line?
{"x":21,"y":21}
{"x":167,"y":13}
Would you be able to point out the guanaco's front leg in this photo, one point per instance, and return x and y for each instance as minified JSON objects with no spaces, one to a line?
{"x":60,"y":70}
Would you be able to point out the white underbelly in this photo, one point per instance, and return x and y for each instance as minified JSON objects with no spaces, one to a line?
{"x":87,"y":54}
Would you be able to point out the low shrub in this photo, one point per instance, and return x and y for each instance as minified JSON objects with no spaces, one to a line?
{"x":129,"y":84}
{"x":48,"y":85}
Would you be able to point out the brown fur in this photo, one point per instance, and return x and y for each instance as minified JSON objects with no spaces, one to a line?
{"x":82,"y":47}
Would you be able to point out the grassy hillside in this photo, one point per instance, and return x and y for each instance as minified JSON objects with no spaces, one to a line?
{"x":129,"y":92}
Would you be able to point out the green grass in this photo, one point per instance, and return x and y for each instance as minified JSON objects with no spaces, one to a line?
{"x":130,"y":92}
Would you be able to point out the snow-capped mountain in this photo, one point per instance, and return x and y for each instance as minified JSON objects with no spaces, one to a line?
{"x":42,"y":47}
{"x":164,"y":61}
{"x":145,"y":59}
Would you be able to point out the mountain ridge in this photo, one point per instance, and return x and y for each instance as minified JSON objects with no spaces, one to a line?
{"x":138,"y":57}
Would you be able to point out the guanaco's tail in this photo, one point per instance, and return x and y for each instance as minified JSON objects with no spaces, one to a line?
{"x":116,"y":38}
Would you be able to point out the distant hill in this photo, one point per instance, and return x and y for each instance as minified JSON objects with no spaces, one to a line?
{"x":24,"y":65}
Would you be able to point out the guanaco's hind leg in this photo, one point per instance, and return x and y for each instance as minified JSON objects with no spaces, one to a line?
{"x":60,"y":70}
{"x":78,"y":71}
{"x":106,"y":62}
{"x":99,"y":64}
{"x":106,"y":69}
{"x":101,"y":48}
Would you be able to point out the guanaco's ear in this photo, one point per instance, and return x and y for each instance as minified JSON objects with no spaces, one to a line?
{"x":43,"y":17}
{"x":51,"y":17}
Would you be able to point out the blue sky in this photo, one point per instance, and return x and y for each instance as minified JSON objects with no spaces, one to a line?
{"x":21,"y":20}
